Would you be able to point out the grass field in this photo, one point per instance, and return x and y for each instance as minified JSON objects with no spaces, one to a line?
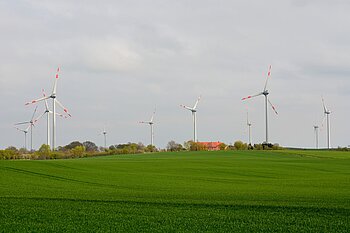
{"x":248,"y":191}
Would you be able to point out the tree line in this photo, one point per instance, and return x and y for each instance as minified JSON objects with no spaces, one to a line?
{"x":78,"y":149}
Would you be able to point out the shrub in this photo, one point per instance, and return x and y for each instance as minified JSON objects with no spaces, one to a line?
{"x":223,"y":146}
{"x":78,"y":151}
{"x":44,"y":152}
{"x":239,"y":145}
{"x":8,"y":154}
{"x":173,"y":146}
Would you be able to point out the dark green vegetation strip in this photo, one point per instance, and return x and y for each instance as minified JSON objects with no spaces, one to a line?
{"x":250,"y":191}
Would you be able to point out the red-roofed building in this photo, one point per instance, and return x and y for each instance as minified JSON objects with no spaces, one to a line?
{"x":211,"y":145}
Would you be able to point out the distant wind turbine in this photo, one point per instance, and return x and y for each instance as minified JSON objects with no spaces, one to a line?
{"x":326,"y":115}
{"x":105,"y":136}
{"x":194,"y":114}
{"x":31,"y":124}
{"x":54,"y":101}
{"x":25,"y":131}
{"x":151,"y":123}
{"x":265,"y":92}
{"x":249,"y":124}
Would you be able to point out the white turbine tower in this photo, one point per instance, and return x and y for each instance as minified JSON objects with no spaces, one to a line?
{"x":105,"y":137}
{"x":48,"y":112}
{"x":25,"y":131}
{"x":151,"y":123}
{"x":265,"y":92}
{"x":194,"y":114}
{"x":316,"y":135}
{"x":326,"y":115}
{"x":249,"y":124}
{"x":54,"y":101}
{"x":31,"y":124}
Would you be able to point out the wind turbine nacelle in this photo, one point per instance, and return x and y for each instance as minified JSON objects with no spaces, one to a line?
{"x":266,"y":92}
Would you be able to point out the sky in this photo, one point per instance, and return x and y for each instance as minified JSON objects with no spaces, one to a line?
{"x":120,"y":60}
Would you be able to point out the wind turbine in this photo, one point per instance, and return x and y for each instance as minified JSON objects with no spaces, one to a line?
{"x":54,"y":101}
{"x":151,"y":123}
{"x":25,"y":131}
{"x":31,"y":124}
{"x":105,"y":136}
{"x":326,"y":115}
{"x":48,"y":112}
{"x":265,"y":92}
{"x":194,"y":114}
{"x":249,"y":124}
{"x":316,"y":135}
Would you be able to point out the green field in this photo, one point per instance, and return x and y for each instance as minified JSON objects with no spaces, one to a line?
{"x":247,"y":191}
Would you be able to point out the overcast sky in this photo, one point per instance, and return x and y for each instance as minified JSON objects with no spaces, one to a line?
{"x":121,"y":59}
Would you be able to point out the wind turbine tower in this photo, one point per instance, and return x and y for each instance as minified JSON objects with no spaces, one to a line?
{"x":105,"y":137}
{"x":265,"y":92}
{"x":194,"y":115}
{"x":316,"y":135}
{"x":249,"y":124}
{"x":151,"y":123}
{"x":326,"y":115}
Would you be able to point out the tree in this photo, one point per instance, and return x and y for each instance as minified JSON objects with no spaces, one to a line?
{"x":258,"y":147}
{"x":239,"y":145}
{"x":112,"y":147}
{"x":140,"y":146}
{"x":187,"y":144}
{"x":222,"y":146}
{"x":195,"y":146}
{"x":90,"y":146}
{"x":44,"y":149}
{"x":78,"y":151}
{"x":173,"y":146}
{"x":73,"y":145}
{"x":12,"y":148}
{"x":23,"y":151}
{"x":151,"y":148}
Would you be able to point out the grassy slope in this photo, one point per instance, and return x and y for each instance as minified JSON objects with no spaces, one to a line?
{"x":207,"y":191}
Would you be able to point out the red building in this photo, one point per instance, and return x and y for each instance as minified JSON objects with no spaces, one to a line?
{"x":211,"y":145}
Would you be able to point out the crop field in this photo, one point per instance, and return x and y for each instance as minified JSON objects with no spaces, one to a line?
{"x":233,"y":191}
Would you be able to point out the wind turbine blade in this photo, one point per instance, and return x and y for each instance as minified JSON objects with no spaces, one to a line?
{"x":64,"y":109}
{"x":59,"y":114}
{"x":184,"y":106}
{"x":22,"y":123}
{"x":34,"y":114}
{"x":39,"y":117}
{"x":195,"y":105}
{"x":37,"y":100}
{"x":46,"y":105}
{"x":55,"y":84}
{"x":273,"y":107}
{"x":20,"y":129}
{"x":268,"y":77}
{"x":324,"y":106}
{"x":247,"y":118}
{"x":251,"y":96}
